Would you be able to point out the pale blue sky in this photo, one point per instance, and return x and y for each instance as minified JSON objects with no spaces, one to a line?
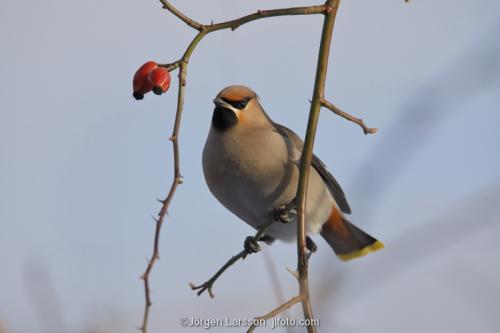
{"x":82,"y":163}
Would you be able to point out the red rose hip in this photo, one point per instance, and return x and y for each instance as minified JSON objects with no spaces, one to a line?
{"x":141,"y":84}
{"x":159,"y":80}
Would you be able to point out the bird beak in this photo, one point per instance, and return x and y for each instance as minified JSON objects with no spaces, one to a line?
{"x":225,"y":115}
{"x":221,"y":103}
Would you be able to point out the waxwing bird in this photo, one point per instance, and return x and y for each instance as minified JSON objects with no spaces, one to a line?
{"x":251,"y":165}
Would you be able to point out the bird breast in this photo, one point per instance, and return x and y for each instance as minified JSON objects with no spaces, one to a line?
{"x":248,"y":172}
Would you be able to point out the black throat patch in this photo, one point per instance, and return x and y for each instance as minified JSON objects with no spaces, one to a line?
{"x":223,"y":118}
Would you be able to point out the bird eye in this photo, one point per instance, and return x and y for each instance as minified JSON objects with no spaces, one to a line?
{"x":241,"y":104}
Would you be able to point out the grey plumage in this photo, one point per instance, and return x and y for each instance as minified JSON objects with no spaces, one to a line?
{"x":251,"y":165}
{"x":252,"y":168}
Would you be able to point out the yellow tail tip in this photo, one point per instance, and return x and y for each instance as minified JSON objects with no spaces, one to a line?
{"x":378,"y":245}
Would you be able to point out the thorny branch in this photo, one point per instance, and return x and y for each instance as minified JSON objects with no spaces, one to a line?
{"x":329,"y":9}
{"x":166,"y":202}
{"x":234,"y":24}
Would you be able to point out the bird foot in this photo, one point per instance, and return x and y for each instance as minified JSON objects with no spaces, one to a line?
{"x":251,"y":245}
{"x":310,"y":245}
{"x":286,"y":213}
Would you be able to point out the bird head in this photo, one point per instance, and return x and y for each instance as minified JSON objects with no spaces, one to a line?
{"x":237,"y":106}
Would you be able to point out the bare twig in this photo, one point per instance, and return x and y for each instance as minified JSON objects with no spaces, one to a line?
{"x":207,"y":285}
{"x":241,"y":255}
{"x":234,"y":24}
{"x":192,"y":23}
{"x":306,"y":158}
{"x":172,"y":66}
{"x":345,"y":115}
{"x":275,"y":312}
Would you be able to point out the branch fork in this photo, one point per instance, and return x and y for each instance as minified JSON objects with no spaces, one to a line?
{"x":273,"y":313}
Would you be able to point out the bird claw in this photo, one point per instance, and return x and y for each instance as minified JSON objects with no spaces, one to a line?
{"x":286,"y":213}
{"x":310,"y":245}
{"x":251,"y":245}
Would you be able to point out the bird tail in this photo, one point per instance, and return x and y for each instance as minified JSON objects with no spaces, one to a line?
{"x":347,"y":240}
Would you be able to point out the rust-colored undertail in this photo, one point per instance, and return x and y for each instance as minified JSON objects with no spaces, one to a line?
{"x":347,"y":240}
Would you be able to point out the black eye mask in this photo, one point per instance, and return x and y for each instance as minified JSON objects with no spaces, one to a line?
{"x":237,"y":104}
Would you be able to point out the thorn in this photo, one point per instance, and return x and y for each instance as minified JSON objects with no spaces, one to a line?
{"x":161,"y":200}
{"x":294,"y":273}
{"x":210,"y":293}
{"x":192,"y":286}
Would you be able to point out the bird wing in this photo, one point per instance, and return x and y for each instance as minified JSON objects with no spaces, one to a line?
{"x":332,"y":185}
